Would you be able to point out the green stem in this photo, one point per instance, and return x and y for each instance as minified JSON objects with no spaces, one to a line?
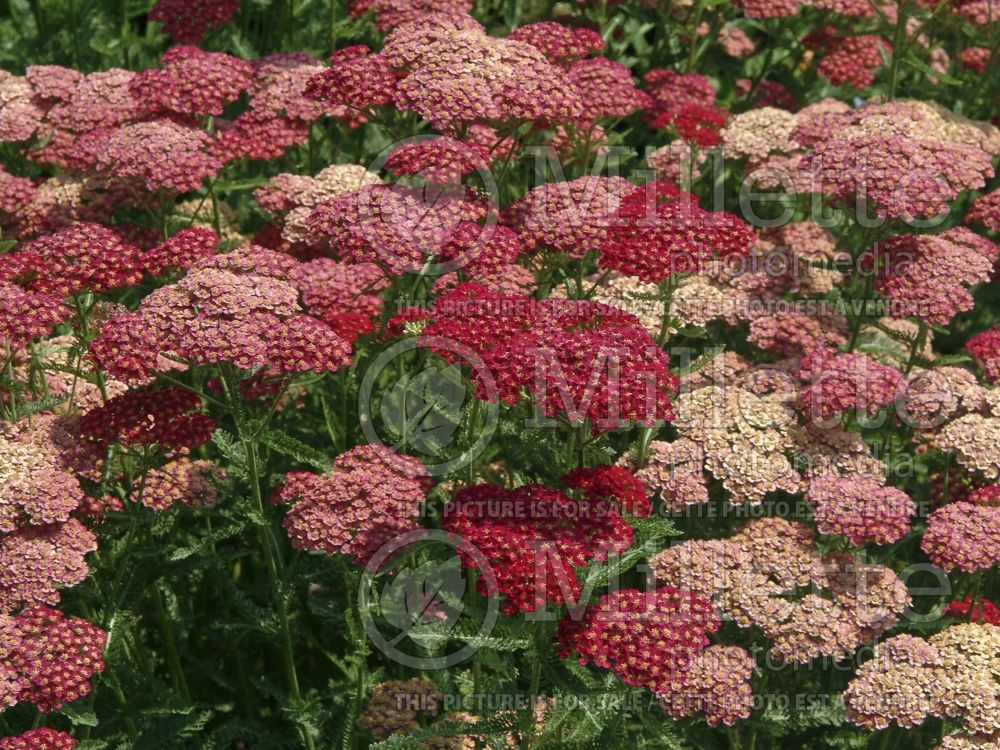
{"x":897,"y":49}
{"x":271,"y":561}
{"x":173,"y":658}
{"x":699,"y":12}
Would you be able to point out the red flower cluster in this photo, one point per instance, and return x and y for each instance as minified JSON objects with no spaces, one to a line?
{"x":982,"y":610}
{"x":696,"y":124}
{"x":611,"y":483}
{"x":81,"y":257}
{"x":192,"y":81}
{"x":985,"y":347}
{"x":26,"y":315}
{"x":37,"y":560}
{"x":437,"y":160}
{"x":49,"y":658}
{"x":848,"y":59}
{"x":182,"y":250}
{"x":650,"y":639}
{"x":534,"y":538}
{"x":187,"y":21}
{"x":345,"y":296}
{"x":168,"y":418}
{"x":586,"y":360}
{"x":662,"y":231}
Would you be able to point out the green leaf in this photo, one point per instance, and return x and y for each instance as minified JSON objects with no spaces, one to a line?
{"x":293,"y":448}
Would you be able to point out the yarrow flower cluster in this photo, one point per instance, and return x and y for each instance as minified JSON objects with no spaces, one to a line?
{"x":743,"y":438}
{"x":240,"y":307}
{"x":48,"y":659}
{"x":860,"y":508}
{"x":750,"y":575}
{"x":187,"y":21}
{"x":370,"y":496}
{"x":927,"y":275}
{"x":534,"y":538}
{"x":677,"y":235}
{"x":951,"y":674}
{"x":556,"y":350}
{"x":842,"y":382}
{"x":650,"y":639}
{"x":985,"y":347}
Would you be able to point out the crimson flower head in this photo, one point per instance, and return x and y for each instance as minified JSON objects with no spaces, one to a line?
{"x":187,"y":21}
{"x":81,"y":257}
{"x":534,"y":538}
{"x":662,"y":231}
{"x":985,"y":348}
{"x":356,"y":78}
{"x":611,"y":483}
{"x":650,"y":639}
{"x":164,"y":417}
{"x":581,"y":359}
{"x":696,"y":124}
{"x":193,"y":81}
{"x":42,"y":738}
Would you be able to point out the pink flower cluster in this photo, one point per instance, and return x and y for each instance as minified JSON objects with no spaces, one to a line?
{"x":842,"y":382}
{"x":370,"y":496}
{"x":240,"y":307}
{"x":861,"y":509}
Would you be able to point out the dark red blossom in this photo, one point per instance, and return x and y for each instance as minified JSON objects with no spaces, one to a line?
{"x":696,"y":124}
{"x":985,"y":347}
{"x":182,"y":250}
{"x":649,"y":639}
{"x":662,"y":231}
{"x":982,"y":610}
{"x":187,"y":21}
{"x":580,"y":359}
{"x":256,"y":135}
{"x":614,"y":483}
{"x":166,"y":417}
{"x":532,"y":530}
